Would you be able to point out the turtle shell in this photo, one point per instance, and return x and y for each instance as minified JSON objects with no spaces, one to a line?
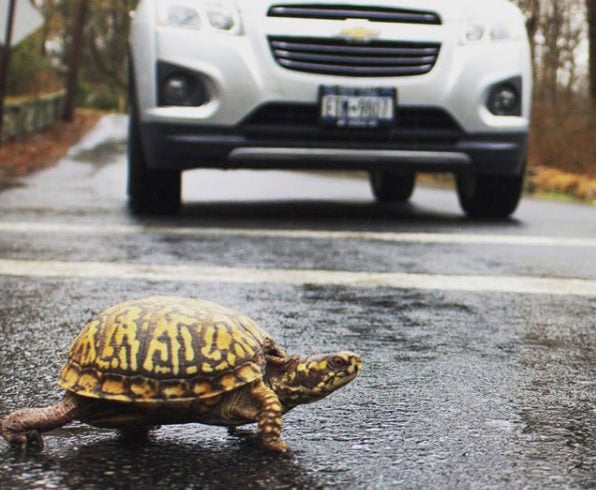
{"x":165,"y":348}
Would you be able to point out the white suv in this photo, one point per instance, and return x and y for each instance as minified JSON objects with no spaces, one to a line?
{"x":392,"y":87}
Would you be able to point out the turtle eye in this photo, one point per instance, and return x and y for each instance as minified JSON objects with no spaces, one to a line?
{"x":338,"y":362}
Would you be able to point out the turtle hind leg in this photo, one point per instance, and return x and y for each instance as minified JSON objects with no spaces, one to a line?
{"x":24,"y":427}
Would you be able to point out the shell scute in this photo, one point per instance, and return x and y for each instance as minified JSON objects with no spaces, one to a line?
{"x":164,"y":348}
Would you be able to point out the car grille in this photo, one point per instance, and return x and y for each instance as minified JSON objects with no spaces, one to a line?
{"x":413,"y":123}
{"x":356,"y":59}
{"x":342,"y":12}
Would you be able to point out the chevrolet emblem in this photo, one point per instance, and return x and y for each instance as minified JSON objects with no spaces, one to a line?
{"x":359,"y":33}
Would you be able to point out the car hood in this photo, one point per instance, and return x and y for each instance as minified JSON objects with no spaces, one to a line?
{"x":448,"y":10}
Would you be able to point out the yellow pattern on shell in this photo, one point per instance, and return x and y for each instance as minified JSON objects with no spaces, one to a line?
{"x":112,"y":386}
{"x":165,"y":348}
{"x":143,"y":389}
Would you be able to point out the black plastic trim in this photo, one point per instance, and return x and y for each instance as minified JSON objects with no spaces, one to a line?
{"x":343,"y":12}
{"x":336,"y":56}
{"x":173,"y":146}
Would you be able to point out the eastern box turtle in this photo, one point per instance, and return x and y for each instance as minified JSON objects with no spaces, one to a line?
{"x":170,"y":360}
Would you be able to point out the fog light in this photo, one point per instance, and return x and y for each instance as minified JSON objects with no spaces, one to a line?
{"x":176,"y":90}
{"x":504,"y":100}
{"x":180,"y":88}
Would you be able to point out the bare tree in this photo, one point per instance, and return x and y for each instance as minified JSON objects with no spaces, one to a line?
{"x":591,"y":9}
{"x":50,"y":11}
{"x":532,"y":10}
{"x":556,"y":29}
{"x":74,"y":64}
{"x":108,"y":32}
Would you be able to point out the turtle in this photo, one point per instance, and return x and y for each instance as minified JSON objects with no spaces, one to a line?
{"x":160,"y":360}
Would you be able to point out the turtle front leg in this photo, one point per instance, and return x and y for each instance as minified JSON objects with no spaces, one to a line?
{"x":23,"y":427}
{"x":269,"y":418}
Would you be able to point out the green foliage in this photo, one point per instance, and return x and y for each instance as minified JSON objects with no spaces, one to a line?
{"x":98,"y":96}
{"x":102,"y":72}
{"x":30,"y":71}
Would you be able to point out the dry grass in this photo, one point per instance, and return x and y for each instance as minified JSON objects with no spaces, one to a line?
{"x":564,"y":139}
{"x":562,"y":153}
{"x":544,"y":180}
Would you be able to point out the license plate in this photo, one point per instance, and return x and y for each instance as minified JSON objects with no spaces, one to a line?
{"x":347,"y":107}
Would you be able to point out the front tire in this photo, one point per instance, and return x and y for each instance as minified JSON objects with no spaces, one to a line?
{"x":391,"y":187}
{"x":489,"y":196}
{"x":149,"y":191}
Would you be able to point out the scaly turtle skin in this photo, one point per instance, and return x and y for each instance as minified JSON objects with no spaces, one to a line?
{"x":170,"y":360}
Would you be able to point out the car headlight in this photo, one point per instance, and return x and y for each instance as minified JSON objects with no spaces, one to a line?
{"x":484,"y":30}
{"x":215,"y":15}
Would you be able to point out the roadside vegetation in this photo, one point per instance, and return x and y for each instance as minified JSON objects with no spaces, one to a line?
{"x":562,"y":158}
{"x":562,"y":154}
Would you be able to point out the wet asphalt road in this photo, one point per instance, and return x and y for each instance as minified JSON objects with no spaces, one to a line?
{"x":478,"y":338}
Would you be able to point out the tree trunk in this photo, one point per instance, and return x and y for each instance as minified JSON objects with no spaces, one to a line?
{"x":5,"y":52}
{"x":591,"y":8}
{"x":76,"y":49}
{"x":533,"y":14}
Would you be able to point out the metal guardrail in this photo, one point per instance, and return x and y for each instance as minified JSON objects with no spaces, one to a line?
{"x":31,"y":115}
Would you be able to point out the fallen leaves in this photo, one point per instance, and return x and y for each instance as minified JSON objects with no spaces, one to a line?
{"x":552,"y":180}
{"x":34,"y":152}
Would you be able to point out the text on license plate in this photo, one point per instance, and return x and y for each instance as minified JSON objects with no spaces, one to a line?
{"x":368,"y":108}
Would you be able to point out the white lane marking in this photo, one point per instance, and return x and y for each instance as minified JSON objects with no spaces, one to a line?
{"x":396,"y":237}
{"x":202,"y":274}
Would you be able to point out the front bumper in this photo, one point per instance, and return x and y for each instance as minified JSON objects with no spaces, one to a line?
{"x":290,"y":137}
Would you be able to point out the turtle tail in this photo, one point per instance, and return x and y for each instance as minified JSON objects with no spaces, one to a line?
{"x":24,"y":427}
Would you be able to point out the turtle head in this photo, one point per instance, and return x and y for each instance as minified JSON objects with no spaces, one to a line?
{"x":297,"y":380}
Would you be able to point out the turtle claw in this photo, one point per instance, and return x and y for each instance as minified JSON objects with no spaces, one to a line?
{"x":33,"y":439}
{"x":275,"y":445}
{"x":17,"y":434}
{"x":24,"y":440}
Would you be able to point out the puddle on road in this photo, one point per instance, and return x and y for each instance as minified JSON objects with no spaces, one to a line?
{"x":99,"y":156}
